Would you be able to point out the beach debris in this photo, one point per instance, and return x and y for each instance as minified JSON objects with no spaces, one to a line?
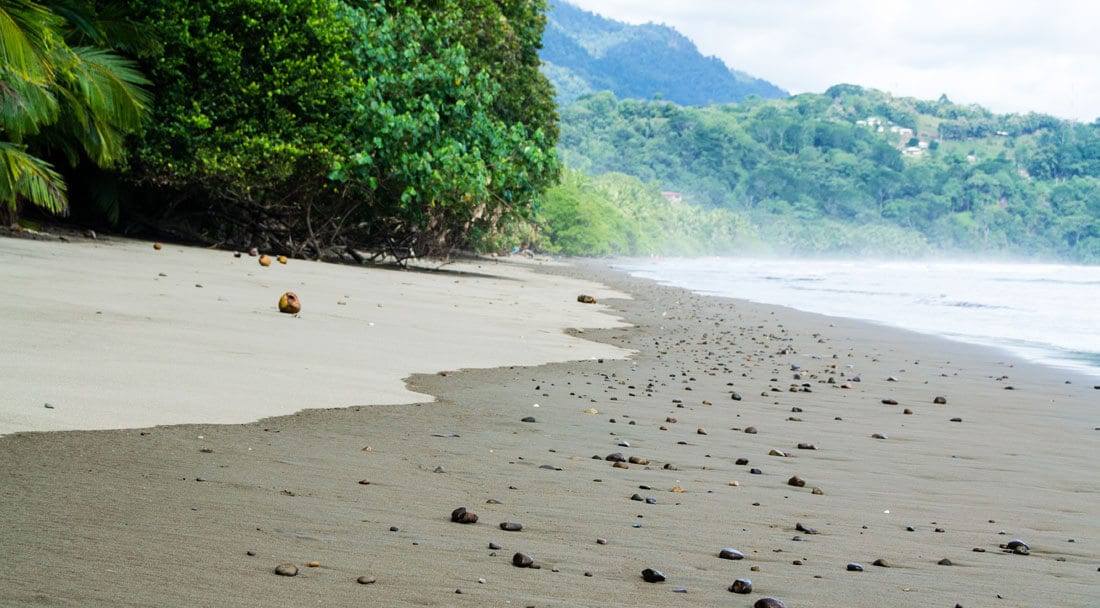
{"x":265,"y":260}
{"x":1018,"y":547}
{"x":522,"y":560}
{"x":462,"y":516}
{"x":650,"y":575}
{"x":157,"y":246}
{"x":586,"y":299}
{"x":286,"y":570}
{"x":741,"y":585}
{"x":313,"y":564}
{"x":854,"y":567}
{"x":591,"y":410}
{"x":768,"y":602}
{"x":796,"y":481}
{"x":282,"y":259}
{"x":729,"y":553}
{"x":511,"y":526}
{"x":366,"y":580}
{"x":805,"y":529}
{"x":289,"y":303}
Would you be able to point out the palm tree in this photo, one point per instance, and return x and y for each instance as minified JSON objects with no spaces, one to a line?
{"x":76,"y":101}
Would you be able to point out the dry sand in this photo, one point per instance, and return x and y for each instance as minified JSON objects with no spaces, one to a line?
{"x":121,"y":518}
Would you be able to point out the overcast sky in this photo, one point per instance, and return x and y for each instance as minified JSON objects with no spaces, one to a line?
{"x":1006,"y":55}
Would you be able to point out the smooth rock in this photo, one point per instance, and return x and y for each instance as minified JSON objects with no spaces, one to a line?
{"x":775,"y":452}
{"x":751,"y":430}
{"x":528,"y":419}
{"x":494,"y":546}
{"x":806,"y":529}
{"x":728,"y":553}
{"x":881,"y":563}
{"x":854,"y":567}
{"x":511,"y":526}
{"x":1018,"y":547}
{"x":286,"y":570}
{"x":768,"y":602}
{"x":945,"y":562}
{"x":889,"y":401}
{"x":741,"y":585}
{"x":615,"y":457}
{"x":742,"y":461}
{"x":522,"y":560}
{"x":796,"y":481}
{"x":366,"y":580}
{"x":755,"y":471}
{"x":807,"y":446}
{"x":940,"y":400}
{"x":462,"y":516}
{"x":650,"y":575}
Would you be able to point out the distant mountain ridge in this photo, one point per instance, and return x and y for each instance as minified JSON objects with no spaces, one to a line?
{"x":586,"y":53}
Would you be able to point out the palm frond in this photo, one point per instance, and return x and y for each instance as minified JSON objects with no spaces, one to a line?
{"x":27,"y":177}
{"x":25,"y":107}
{"x":27,"y":31}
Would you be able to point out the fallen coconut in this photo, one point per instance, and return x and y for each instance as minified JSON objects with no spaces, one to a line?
{"x":289,"y":303}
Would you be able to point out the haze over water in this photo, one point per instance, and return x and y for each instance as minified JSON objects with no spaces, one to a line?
{"x":1047,"y":313}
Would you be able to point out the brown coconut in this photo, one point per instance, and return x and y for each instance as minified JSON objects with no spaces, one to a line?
{"x":289,"y":303}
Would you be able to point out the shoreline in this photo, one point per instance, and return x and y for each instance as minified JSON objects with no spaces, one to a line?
{"x":168,"y":515}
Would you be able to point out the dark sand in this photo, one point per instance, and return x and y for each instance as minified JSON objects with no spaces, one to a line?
{"x":121,"y":518}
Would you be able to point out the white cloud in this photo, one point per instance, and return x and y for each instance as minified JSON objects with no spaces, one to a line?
{"x":1009,"y":55}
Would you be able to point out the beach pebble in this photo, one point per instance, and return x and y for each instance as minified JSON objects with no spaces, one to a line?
{"x":806,"y":529}
{"x":366,"y":580}
{"x":768,"y":602}
{"x":728,"y":553}
{"x":742,"y":461}
{"x":736,"y":396}
{"x":586,"y":299}
{"x":700,"y":431}
{"x":637,"y":460}
{"x":615,"y":457}
{"x":945,"y":562}
{"x":889,"y":402}
{"x":940,"y":400}
{"x":1018,"y":547}
{"x":741,"y":585}
{"x":751,"y":430}
{"x":620,"y":465}
{"x":907,"y":412}
{"x":881,"y":563}
{"x":854,"y":567}
{"x":601,"y":541}
{"x":522,"y":560}
{"x":796,"y":481}
{"x":462,"y":516}
{"x":807,"y":446}
{"x":755,"y":471}
{"x":650,"y":575}
{"x":817,"y":491}
{"x":286,"y":570}
{"x":956,"y":420}
{"x":394,"y":529}
{"x":878,"y":436}
{"x":637,"y":497}
{"x":775,"y":452}
{"x":511,"y":526}
{"x":528,"y":419}
{"x":494,"y":546}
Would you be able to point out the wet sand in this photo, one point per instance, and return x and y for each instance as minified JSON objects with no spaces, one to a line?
{"x":168,"y":515}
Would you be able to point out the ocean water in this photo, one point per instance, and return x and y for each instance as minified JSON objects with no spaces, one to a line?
{"x":1047,"y":313}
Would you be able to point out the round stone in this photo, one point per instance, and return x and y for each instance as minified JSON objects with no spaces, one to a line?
{"x":854,"y":567}
{"x":741,"y":585}
{"x":768,"y":602}
{"x":286,"y":570}
{"x":728,"y":553}
{"x":522,"y":560}
{"x":796,"y":481}
{"x":366,"y":580}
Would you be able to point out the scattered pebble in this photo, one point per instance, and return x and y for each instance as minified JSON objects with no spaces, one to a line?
{"x":366,"y":580}
{"x":522,"y":560}
{"x":286,"y":570}
{"x":881,"y":563}
{"x":511,"y":526}
{"x":768,"y":602}
{"x":945,"y":562}
{"x":462,"y":516}
{"x":796,"y":481}
{"x":650,"y":575}
{"x":728,"y":553}
{"x":854,"y":567}
{"x":741,"y":585}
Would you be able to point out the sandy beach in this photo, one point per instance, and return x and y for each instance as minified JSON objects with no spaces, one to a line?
{"x":486,"y":385}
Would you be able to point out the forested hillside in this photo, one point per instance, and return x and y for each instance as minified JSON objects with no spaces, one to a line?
{"x":858,"y":171}
{"x":586,"y":53}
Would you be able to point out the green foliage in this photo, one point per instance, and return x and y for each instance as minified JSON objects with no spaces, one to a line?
{"x":857,"y":171}
{"x":616,"y":214}
{"x":301,"y":124}
{"x":60,"y":99}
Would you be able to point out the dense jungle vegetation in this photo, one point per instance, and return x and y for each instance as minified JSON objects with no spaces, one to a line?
{"x":329,"y":128}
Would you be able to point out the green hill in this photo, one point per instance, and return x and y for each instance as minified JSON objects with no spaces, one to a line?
{"x":857,"y":171}
{"x":586,"y":53}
